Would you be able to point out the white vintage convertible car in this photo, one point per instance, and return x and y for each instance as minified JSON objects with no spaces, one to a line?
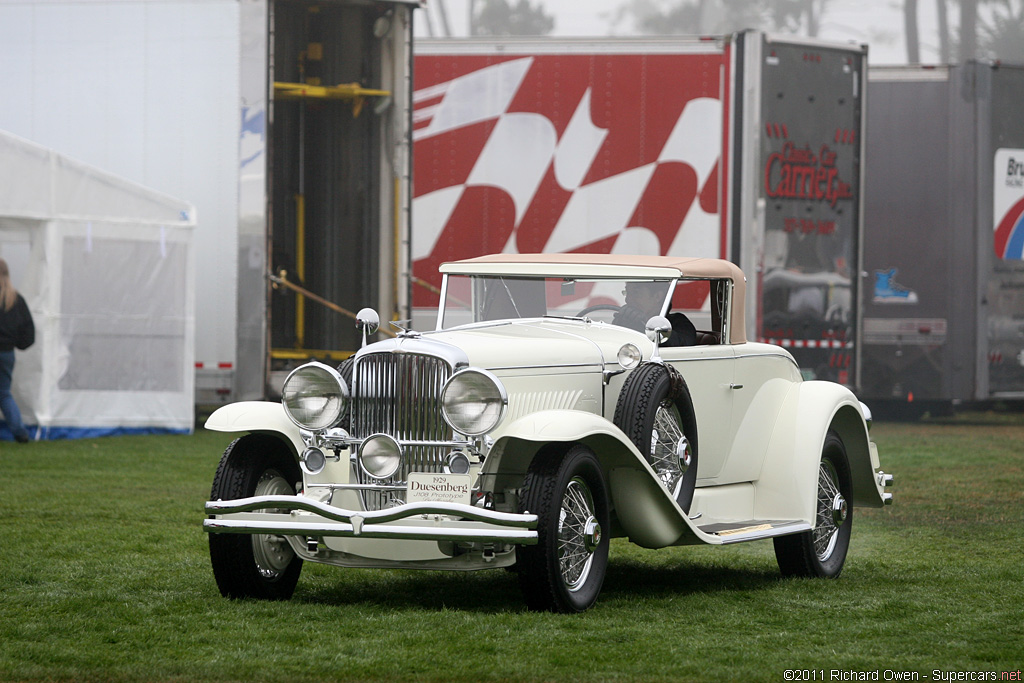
{"x":561,"y":401}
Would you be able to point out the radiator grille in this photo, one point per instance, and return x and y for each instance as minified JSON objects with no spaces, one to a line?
{"x":399,"y":394}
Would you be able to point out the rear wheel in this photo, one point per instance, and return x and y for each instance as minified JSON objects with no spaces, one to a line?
{"x":257,"y":565}
{"x":822,"y":551}
{"x":564,"y":572}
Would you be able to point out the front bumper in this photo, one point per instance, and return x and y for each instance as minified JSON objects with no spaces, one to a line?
{"x":300,"y":516}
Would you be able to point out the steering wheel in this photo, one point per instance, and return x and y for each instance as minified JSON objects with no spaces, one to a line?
{"x":597,"y":307}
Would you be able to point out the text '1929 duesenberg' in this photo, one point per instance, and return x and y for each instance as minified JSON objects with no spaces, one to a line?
{"x":562,"y":400}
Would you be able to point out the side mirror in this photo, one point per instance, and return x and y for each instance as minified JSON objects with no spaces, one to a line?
{"x":368,"y":322}
{"x":658,"y":330}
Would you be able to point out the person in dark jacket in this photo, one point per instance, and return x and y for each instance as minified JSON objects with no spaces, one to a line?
{"x":16,"y":331}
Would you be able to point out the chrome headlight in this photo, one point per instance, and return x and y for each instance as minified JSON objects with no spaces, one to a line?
{"x":314,"y":396}
{"x":380,"y":456}
{"x":473,"y":402}
{"x":629,"y":356}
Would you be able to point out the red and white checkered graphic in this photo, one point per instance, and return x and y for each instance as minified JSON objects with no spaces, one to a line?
{"x":597,"y":153}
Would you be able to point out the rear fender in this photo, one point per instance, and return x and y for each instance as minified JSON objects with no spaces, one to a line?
{"x":788,"y":483}
{"x":257,"y":417}
{"x":646,"y":512}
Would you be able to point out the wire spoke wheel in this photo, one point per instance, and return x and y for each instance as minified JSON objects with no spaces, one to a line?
{"x":260,"y":566}
{"x":656,"y":412}
{"x":822,"y":550}
{"x":826,"y":532}
{"x":576,"y":526}
{"x":666,"y":438}
{"x":564,"y":486}
{"x":271,"y":552}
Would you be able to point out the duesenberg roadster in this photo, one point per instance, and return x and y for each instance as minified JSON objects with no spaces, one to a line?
{"x":562,"y":400}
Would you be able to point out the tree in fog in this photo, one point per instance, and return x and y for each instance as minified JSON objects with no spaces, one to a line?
{"x":713,"y":17}
{"x":510,"y":18}
{"x":1001,"y":31}
{"x":968,"y":12}
{"x":991,"y":29}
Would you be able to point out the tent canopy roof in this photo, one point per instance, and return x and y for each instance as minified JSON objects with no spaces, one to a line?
{"x":39,"y":183}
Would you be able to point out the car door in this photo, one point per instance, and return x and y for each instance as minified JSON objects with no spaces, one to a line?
{"x":709,"y":372}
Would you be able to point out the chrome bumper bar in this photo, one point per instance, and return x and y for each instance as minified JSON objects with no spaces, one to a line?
{"x":422,"y":521}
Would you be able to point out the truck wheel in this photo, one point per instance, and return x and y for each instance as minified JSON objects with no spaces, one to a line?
{"x":565,"y":488}
{"x":656,"y":413}
{"x":258,"y":565}
{"x":821,"y":552}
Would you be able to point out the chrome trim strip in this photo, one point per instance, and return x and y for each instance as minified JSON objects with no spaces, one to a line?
{"x":469,"y":512}
{"x":495,"y":368}
{"x":428,"y":533}
{"x":355,"y":487}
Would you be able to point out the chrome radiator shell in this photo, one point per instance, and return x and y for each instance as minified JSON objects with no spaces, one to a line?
{"x":397,"y":391}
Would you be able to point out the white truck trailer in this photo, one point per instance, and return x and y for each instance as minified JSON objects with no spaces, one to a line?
{"x":944,"y":236}
{"x":286,"y":124}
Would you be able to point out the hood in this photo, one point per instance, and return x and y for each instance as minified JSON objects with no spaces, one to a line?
{"x":542,"y":342}
{"x":505,"y":345}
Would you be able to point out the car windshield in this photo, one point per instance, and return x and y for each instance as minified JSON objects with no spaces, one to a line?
{"x":627,"y":302}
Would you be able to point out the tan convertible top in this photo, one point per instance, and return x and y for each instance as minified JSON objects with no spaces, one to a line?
{"x":686,"y":266}
{"x":610,"y":265}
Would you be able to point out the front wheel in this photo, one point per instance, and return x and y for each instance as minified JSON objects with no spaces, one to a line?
{"x":259,"y":565}
{"x":821,"y":552}
{"x":564,"y":572}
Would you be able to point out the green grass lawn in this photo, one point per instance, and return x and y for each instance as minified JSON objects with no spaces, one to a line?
{"x":104,"y":575}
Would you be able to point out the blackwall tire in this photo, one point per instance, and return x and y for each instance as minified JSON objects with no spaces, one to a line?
{"x":564,"y":572}
{"x":822,"y":551}
{"x":259,"y":566}
{"x":655,"y":411}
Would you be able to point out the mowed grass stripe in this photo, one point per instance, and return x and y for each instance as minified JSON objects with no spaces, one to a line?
{"x":104,"y":576}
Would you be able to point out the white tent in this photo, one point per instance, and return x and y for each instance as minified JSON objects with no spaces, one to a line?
{"x":107,"y":269}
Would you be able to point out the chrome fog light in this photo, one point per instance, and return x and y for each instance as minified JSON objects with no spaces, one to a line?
{"x":313,"y":461}
{"x":314,"y":396}
{"x":380,"y":456}
{"x":473,"y":401}
{"x":629,"y":356}
{"x":458,"y":463}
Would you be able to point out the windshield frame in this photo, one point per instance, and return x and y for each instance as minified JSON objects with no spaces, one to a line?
{"x":620,"y":280}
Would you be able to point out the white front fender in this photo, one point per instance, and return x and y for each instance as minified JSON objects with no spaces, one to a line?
{"x":256,"y":416}
{"x":645,"y":510}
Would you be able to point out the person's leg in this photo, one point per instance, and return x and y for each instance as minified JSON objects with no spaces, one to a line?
{"x":7,"y":404}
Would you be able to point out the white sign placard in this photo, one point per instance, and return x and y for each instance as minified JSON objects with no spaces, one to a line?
{"x":438,"y":488}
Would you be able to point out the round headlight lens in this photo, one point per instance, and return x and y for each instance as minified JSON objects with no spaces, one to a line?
{"x":380,"y":456}
{"x":314,"y":396}
{"x":629,"y":356}
{"x":473,"y":402}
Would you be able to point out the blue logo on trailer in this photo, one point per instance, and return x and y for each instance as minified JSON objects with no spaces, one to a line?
{"x":1009,"y":237}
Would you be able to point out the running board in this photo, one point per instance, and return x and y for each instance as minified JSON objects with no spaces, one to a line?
{"x":753,"y":529}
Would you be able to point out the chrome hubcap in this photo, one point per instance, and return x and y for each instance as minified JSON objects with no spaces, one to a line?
{"x":839,"y":509}
{"x":591,"y":535}
{"x":272,"y":553}
{"x":579,"y":534}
